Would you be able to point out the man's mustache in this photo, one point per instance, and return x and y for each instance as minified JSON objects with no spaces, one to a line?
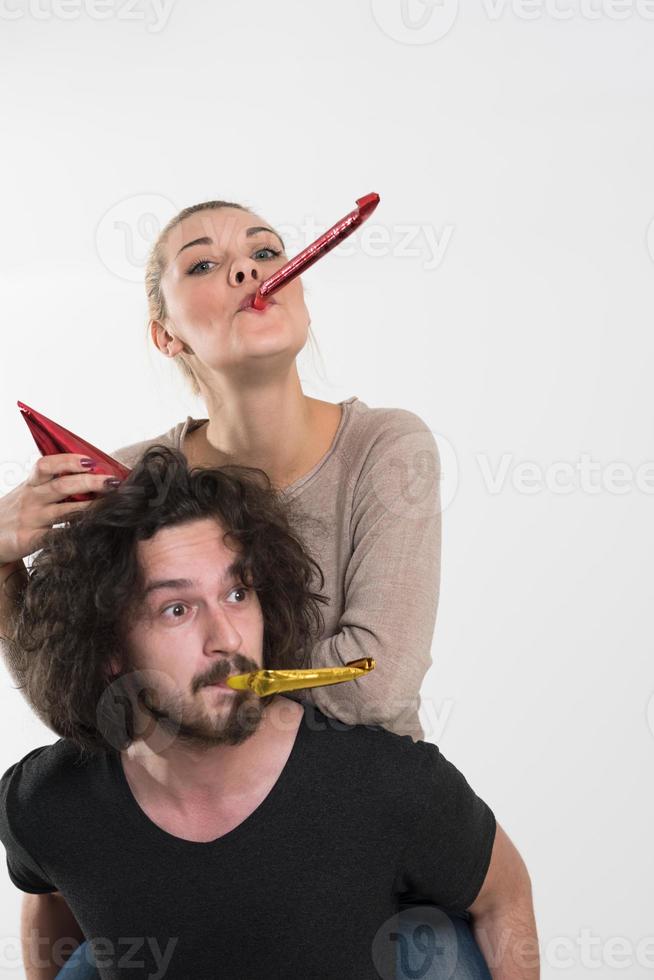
{"x":223,"y":669}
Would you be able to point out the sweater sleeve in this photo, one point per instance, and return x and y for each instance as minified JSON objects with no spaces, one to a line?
{"x":392,"y":580}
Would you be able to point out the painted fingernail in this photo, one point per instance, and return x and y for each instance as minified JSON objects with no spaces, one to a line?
{"x":88,"y":462}
{"x":112,"y":483}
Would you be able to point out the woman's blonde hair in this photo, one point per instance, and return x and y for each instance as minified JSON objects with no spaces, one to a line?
{"x":154,"y":270}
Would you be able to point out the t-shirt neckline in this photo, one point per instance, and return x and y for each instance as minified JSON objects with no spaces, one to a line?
{"x":248,"y":826}
{"x":302,"y":480}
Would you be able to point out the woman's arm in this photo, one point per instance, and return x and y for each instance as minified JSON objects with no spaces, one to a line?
{"x":392,"y":581}
{"x":49,"y":935}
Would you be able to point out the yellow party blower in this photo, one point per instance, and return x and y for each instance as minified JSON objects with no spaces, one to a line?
{"x":265,"y":682}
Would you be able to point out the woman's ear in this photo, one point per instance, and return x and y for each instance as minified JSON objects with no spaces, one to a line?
{"x":160,"y":336}
{"x":169,"y":345}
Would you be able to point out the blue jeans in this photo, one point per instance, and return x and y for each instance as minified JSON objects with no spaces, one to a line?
{"x":436,"y":945}
{"x":431,"y":945}
{"x":78,"y":966}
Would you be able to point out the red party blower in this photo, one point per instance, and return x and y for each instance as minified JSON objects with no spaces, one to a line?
{"x":52,"y":439}
{"x":365,"y":206}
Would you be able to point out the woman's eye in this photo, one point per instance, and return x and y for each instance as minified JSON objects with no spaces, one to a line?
{"x":193,"y":270}
{"x":200,"y":267}
{"x":243,"y":591}
{"x":177,"y":605}
{"x":273,"y":251}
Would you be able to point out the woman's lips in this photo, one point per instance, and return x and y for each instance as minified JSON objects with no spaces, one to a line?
{"x":247,"y":305}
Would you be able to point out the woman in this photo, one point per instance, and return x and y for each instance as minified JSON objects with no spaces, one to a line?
{"x":363,"y":482}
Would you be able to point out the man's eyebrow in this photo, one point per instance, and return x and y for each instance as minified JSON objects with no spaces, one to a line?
{"x":168,"y":583}
{"x":185,"y":583}
{"x":205,"y":240}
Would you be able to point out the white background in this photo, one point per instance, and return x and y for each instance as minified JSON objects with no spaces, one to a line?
{"x":518,"y":138}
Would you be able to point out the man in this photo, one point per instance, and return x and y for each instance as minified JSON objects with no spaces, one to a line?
{"x":201,"y":831}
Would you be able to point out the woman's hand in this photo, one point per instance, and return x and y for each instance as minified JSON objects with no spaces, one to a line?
{"x":31,"y":509}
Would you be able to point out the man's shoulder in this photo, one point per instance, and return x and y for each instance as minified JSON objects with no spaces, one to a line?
{"x":365,"y":772}
{"x":40,"y":772}
{"x":372,"y":743}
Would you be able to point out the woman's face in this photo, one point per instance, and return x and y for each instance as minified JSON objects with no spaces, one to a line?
{"x":204,"y":283}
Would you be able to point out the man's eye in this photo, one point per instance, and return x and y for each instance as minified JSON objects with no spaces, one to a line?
{"x":177,"y":605}
{"x":243,"y":591}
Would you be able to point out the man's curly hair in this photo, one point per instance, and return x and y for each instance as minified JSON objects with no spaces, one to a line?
{"x":86,"y":582}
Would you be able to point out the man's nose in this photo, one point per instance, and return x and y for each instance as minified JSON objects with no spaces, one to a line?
{"x":221,"y":634}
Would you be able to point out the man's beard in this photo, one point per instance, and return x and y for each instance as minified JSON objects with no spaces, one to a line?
{"x":161,"y":715}
{"x":195,"y":726}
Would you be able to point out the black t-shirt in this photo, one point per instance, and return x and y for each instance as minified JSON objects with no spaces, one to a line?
{"x":359,"y":821}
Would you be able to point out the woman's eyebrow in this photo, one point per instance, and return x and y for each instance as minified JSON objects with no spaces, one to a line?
{"x":248,"y":234}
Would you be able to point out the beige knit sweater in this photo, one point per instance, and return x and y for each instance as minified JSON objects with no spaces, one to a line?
{"x":369,"y":514}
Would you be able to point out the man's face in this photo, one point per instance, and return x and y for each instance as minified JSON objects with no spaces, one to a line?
{"x":198,"y":623}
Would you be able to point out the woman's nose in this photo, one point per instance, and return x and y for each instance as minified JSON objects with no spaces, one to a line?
{"x":245,"y":271}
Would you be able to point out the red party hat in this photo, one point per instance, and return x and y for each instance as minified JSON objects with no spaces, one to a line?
{"x":52,"y":438}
